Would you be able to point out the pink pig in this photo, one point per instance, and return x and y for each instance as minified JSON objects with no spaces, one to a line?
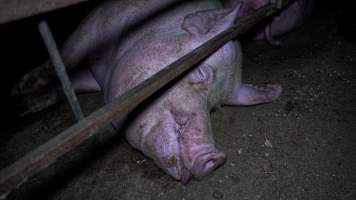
{"x":128,"y":41}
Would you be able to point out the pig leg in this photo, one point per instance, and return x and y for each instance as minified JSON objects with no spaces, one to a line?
{"x":100,"y":28}
{"x":82,"y":82}
{"x":247,"y":94}
{"x":269,"y":37}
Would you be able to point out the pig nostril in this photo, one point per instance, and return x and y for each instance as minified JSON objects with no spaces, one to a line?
{"x":207,"y":163}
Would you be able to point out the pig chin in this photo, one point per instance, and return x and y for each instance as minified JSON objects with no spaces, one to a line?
{"x":162,"y":145}
{"x":156,"y":136}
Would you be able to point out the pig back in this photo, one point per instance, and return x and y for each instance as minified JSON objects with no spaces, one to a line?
{"x":165,"y":24}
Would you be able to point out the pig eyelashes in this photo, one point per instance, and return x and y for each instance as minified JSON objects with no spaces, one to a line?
{"x":199,"y":76}
{"x":203,"y":75}
{"x":181,"y":118}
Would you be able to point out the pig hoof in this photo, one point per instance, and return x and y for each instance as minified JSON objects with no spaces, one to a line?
{"x":37,"y":101}
{"x":207,"y":163}
{"x":27,"y":86}
{"x":247,"y":94}
{"x":269,"y":37}
{"x":274,"y":42}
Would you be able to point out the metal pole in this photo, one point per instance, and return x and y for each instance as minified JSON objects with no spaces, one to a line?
{"x":60,"y":69}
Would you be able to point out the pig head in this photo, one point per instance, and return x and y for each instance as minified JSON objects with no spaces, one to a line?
{"x":175,"y":132}
{"x":175,"y":129}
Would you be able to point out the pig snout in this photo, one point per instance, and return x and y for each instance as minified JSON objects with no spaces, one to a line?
{"x":207,"y":159}
{"x":198,"y":151}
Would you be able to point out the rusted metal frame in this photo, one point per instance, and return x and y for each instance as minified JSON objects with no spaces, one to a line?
{"x":18,"y":173}
{"x":11,"y":10}
{"x":60,"y":69}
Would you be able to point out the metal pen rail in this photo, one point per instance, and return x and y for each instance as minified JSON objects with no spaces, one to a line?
{"x":12,"y":10}
{"x":37,"y":160}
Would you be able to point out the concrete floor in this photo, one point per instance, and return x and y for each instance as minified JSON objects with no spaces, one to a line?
{"x":302,"y":146}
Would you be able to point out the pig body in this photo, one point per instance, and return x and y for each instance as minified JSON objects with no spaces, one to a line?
{"x":174,"y":130}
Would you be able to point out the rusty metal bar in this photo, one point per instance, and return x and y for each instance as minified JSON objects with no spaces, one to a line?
{"x":11,"y":10}
{"x":18,"y":173}
{"x":60,"y":69}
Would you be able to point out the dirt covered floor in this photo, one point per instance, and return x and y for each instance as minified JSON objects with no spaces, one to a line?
{"x":302,"y":146}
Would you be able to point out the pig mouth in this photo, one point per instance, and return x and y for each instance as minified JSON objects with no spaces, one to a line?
{"x":185,"y":173}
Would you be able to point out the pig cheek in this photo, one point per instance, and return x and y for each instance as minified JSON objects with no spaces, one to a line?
{"x":162,"y":145}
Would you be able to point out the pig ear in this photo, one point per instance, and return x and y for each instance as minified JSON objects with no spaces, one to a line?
{"x":210,"y":21}
{"x":247,"y":94}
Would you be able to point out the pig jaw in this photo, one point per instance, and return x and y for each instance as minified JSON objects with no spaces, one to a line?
{"x":154,"y":133}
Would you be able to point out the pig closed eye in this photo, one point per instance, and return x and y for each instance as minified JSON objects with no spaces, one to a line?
{"x":181,"y":118}
{"x":202,"y":75}
{"x":199,"y":76}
